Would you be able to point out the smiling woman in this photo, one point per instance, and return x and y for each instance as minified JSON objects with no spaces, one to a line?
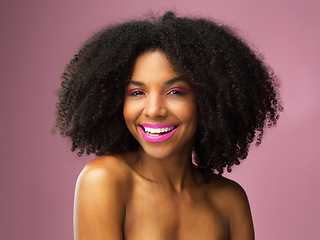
{"x":160,"y":99}
{"x":167,"y":104}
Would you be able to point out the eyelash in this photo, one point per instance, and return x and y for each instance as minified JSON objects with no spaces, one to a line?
{"x":178,"y":91}
{"x":174,"y":91}
{"x":135,"y":92}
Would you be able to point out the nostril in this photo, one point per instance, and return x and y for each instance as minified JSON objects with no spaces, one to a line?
{"x":155,"y":110}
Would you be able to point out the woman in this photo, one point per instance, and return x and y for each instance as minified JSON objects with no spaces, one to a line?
{"x":167,"y":104}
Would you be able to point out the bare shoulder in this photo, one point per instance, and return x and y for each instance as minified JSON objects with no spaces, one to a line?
{"x":110,"y":168}
{"x":105,"y":173}
{"x":100,"y":198}
{"x":231,"y":198}
{"x":228,"y":190}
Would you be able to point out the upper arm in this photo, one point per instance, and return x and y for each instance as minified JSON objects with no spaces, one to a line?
{"x":241,"y":225}
{"x":99,"y":204}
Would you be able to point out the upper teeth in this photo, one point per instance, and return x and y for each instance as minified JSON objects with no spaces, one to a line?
{"x":158,"y":130}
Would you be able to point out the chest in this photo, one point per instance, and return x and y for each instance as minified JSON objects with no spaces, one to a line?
{"x":156,"y":215}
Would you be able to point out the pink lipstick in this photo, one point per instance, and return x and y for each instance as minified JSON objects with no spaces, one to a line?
{"x":157,"y":132}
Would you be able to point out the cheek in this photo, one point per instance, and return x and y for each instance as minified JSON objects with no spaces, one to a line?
{"x":187,"y":112}
{"x":192,"y":118}
{"x":130,"y":113}
{"x":126,"y":112}
{"x":191,"y":115}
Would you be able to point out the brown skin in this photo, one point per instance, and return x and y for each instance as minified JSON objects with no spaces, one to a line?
{"x":156,"y":193}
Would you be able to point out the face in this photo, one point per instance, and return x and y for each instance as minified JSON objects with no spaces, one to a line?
{"x":159,"y":107}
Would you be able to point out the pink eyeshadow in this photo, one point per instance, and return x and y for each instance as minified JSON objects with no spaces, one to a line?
{"x":133,"y":90}
{"x":181,"y":89}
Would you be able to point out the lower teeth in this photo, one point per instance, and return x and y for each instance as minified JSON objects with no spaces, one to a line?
{"x":155,"y":134}
{"x":152,"y":134}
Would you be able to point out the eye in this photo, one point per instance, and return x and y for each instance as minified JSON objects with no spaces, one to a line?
{"x":178,"y":91}
{"x":135,"y":92}
{"x":174,"y":92}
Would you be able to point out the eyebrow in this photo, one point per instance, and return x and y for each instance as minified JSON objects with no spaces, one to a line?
{"x":171,"y":81}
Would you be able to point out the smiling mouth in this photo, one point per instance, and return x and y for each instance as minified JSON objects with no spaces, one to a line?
{"x":157,"y":131}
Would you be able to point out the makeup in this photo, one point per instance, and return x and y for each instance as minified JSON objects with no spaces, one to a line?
{"x":135,"y":91}
{"x":157,"y":132}
{"x":179,"y":90}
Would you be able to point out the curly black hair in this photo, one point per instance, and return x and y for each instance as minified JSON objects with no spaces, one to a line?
{"x":236,"y":93}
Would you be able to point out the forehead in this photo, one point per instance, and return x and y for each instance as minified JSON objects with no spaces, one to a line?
{"x":153,"y":65}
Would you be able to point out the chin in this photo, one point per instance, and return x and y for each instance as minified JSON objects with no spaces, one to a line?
{"x":157,"y":152}
{"x":165,"y":151}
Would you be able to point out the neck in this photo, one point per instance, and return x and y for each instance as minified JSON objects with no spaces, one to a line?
{"x":176,"y":171}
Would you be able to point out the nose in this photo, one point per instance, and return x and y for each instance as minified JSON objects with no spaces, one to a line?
{"x":155,"y":107}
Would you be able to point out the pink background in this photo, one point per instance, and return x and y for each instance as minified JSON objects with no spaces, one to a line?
{"x":38,"y":172}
